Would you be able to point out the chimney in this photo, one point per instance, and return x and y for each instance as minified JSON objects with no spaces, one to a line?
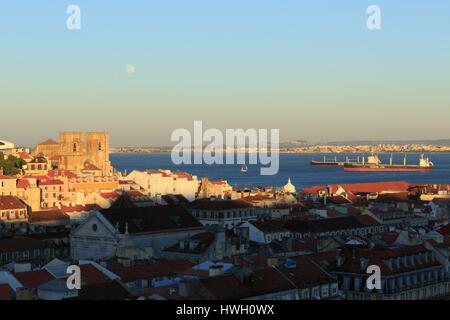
{"x":362,"y":264}
{"x":184,"y":289}
{"x":26,"y":294}
{"x":244,"y":276}
{"x":339,"y":258}
{"x":271,"y":262}
{"x":215,"y":270}
{"x":289,"y":244}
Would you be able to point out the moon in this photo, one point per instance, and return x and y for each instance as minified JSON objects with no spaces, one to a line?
{"x":129,"y":68}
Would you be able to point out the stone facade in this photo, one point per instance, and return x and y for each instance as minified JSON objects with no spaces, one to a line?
{"x":78,"y":151}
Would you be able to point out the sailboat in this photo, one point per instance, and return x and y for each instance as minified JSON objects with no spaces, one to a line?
{"x":244,"y":168}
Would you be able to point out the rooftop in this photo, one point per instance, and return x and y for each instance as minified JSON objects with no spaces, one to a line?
{"x":207,"y":204}
{"x":11,"y":203}
{"x":151,"y":219}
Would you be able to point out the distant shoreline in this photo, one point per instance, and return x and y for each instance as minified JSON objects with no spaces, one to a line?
{"x":312,"y":153}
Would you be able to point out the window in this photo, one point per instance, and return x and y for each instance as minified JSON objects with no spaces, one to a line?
{"x":94,"y":227}
{"x":305,"y":294}
{"x":316,"y":293}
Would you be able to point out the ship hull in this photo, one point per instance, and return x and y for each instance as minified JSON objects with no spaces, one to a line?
{"x":387,"y":169}
{"x":331,"y":164}
{"x":326,"y":164}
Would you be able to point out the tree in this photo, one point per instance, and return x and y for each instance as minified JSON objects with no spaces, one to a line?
{"x":11,"y":165}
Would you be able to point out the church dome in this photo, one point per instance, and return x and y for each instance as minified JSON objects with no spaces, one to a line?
{"x":289,"y":187}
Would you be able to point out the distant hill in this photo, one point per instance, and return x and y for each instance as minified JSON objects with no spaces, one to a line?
{"x":294,"y":144}
{"x":445,"y":142}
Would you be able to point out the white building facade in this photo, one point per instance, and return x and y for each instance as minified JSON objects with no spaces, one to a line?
{"x":161,"y":182}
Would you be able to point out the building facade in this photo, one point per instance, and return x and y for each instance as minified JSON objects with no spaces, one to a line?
{"x":78,"y":151}
{"x":224,"y":213}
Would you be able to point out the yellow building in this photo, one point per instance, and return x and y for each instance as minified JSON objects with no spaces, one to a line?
{"x":79,"y":151}
{"x":24,"y":189}
{"x":38,"y":166}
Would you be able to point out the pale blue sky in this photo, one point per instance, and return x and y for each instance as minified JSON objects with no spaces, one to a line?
{"x":309,"y":68}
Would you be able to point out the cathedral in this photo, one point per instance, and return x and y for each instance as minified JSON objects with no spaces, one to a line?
{"x":81,"y":152}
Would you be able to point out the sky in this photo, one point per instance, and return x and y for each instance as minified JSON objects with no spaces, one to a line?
{"x":311,"y":69}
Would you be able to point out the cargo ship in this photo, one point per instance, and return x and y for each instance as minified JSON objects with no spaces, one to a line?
{"x":375,"y":165}
{"x":333,"y":162}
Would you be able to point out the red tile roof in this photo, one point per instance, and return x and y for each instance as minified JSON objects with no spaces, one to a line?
{"x":380,"y":256}
{"x":23,"y":184}
{"x":79,"y":208}
{"x":441,"y":200}
{"x":388,"y":237}
{"x":47,"y":216}
{"x":50,"y":182}
{"x":174,"y":198}
{"x":268,"y":227}
{"x":109,"y":195}
{"x":201,"y":240}
{"x":220,"y":182}
{"x":370,"y":187}
{"x":183,"y":175}
{"x":445,"y":230}
{"x":33,"y":279}
{"x":6,"y":292}
{"x":11,"y":203}
{"x":21,"y":244}
{"x":367,"y":220}
{"x":305,"y":274}
{"x":207,"y":204}
{"x":3,"y":177}
{"x":39,"y":159}
{"x":134,"y":193}
{"x":91,"y":275}
{"x":24,"y":155}
{"x":61,"y":173}
{"x":111,"y":290}
{"x":397,"y":197}
{"x":158,"y":269}
{"x":48,"y":142}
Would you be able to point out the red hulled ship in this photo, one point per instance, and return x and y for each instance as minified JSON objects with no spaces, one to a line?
{"x":374,"y":165}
